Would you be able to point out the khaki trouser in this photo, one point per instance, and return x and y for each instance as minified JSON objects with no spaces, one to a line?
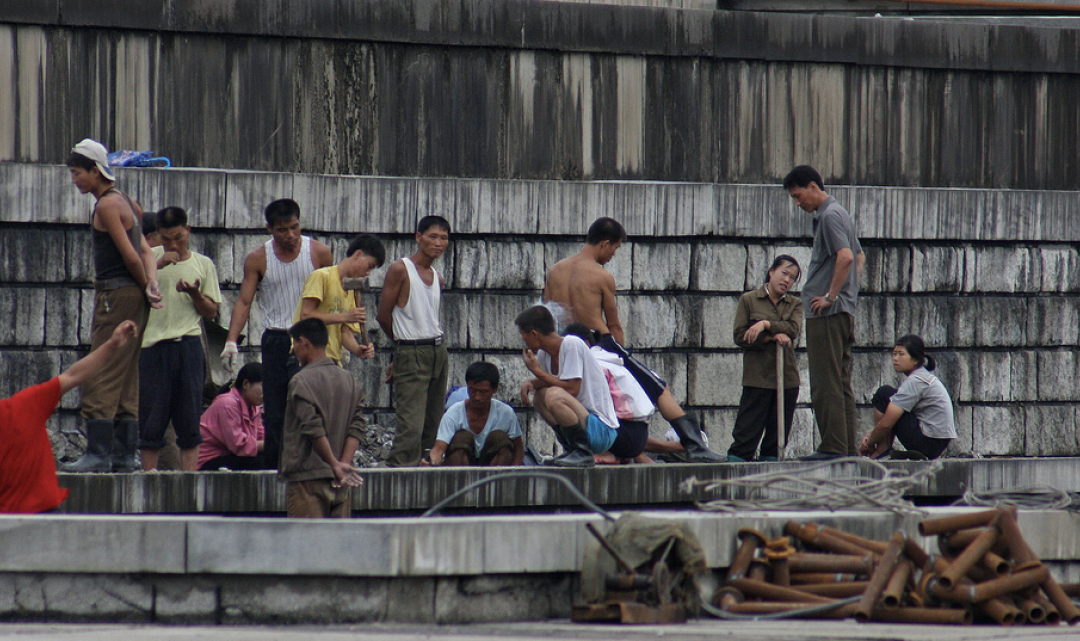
{"x":420,"y":375}
{"x":828,"y":349}
{"x":316,"y":499}
{"x":113,"y":391}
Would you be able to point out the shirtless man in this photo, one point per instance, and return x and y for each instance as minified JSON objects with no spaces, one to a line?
{"x":587,"y":291}
{"x":277,"y":269}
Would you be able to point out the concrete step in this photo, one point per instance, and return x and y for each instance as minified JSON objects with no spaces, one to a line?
{"x":397,"y":491}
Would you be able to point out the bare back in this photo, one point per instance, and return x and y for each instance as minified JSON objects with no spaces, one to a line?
{"x":587,"y":291}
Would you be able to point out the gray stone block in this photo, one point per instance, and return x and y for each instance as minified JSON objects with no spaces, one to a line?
{"x":200,"y":192}
{"x":871,"y":370}
{"x":760,"y":258}
{"x":650,"y":321}
{"x":506,"y":207}
{"x":713,"y":379}
{"x":88,"y":543}
{"x":411,"y":600}
{"x":887,"y":269}
{"x":672,"y":368}
{"x":41,"y":194}
{"x":457,"y":324}
{"x":510,"y":549}
{"x":661,"y":266}
{"x":718,"y":267}
{"x":247,"y":193}
{"x":371,"y":374}
{"x":512,"y":373}
{"x":26,"y":368}
{"x":62,"y":316}
{"x":804,"y":436}
{"x":1025,"y":375}
{"x":986,"y":376}
{"x":499,"y":265}
{"x":621,"y":265}
{"x":998,"y":430}
{"x":184,"y":600}
{"x":86,"y":315}
{"x":717,"y":321}
{"x":74,"y":597}
{"x":34,"y":257}
{"x":875,"y":325}
{"x":1053,"y":320}
{"x":961,"y":446}
{"x":489,"y":323}
{"x":392,"y":205}
{"x":937,"y":269}
{"x":1060,"y":269}
{"x":78,"y":262}
{"x":1050,"y":430}
{"x":495,"y":598}
{"x":308,"y":600}
{"x":717,"y":424}
{"x":939,"y":320}
{"x":1000,"y":321}
{"x":1057,"y":375}
{"x":223,"y":252}
{"x":1007,"y":269}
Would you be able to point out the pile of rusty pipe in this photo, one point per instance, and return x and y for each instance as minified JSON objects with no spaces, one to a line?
{"x":879,"y":578}
{"x":830,"y":563}
{"x":766,"y":590}
{"x":811,"y":535}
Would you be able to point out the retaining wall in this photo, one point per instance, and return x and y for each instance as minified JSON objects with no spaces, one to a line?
{"x":989,"y":278}
{"x":546,"y":90}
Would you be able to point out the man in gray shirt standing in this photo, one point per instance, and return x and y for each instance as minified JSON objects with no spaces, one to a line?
{"x":830,"y":298}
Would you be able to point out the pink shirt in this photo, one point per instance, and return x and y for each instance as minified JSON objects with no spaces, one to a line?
{"x":230,"y":426}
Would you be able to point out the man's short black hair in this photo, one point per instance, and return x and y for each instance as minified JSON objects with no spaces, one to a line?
{"x":537,"y":318}
{"x":149,"y":222}
{"x":427,"y":222}
{"x":802,"y":176}
{"x":607,"y":229}
{"x":171,"y":217}
{"x":281,"y":209}
{"x":368,"y":244}
{"x":80,"y":161}
{"x":481,"y":371}
{"x":312,"y":329}
{"x":582,"y":331}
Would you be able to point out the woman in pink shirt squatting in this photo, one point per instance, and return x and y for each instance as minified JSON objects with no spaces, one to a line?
{"x":232,"y":427}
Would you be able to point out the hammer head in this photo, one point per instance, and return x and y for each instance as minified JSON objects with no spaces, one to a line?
{"x":354,"y":284}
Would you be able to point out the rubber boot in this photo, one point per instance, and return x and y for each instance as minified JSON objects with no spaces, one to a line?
{"x":578,"y":453}
{"x":690,"y":437}
{"x":125,"y":442}
{"x":99,"y":436}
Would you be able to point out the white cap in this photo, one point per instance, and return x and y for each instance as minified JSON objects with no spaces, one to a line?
{"x":95,"y":151}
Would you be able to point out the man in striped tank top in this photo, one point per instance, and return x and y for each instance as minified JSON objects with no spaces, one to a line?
{"x":277,"y":270}
{"x":410,"y":314}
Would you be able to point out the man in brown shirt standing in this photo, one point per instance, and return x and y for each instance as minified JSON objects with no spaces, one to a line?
{"x":324,"y":422}
{"x":587,"y":291}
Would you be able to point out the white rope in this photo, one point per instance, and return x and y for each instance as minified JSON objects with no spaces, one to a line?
{"x":816,"y":488}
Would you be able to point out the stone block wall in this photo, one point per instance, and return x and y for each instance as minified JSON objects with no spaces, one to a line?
{"x":988,"y":278}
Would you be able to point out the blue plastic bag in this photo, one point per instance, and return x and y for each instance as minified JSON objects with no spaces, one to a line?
{"x":129,"y":158}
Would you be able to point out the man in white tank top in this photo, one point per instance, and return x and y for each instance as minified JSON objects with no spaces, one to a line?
{"x":277,"y":270}
{"x":410,"y":314}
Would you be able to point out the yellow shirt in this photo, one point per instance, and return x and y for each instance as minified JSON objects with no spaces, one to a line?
{"x":179,"y":317}
{"x":324,"y":285}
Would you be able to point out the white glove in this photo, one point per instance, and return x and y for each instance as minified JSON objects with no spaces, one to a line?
{"x":228,"y":356}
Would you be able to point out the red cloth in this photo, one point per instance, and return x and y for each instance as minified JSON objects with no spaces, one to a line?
{"x":230,"y":426}
{"x":27,"y":467}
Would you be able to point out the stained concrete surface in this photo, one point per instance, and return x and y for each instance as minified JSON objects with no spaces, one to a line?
{"x":703,"y":629}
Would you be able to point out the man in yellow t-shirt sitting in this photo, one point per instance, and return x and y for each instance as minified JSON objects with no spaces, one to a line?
{"x":325,"y":297}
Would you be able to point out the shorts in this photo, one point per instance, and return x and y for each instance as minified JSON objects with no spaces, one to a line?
{"x":601,"y":435}
{"x":171,"y":378}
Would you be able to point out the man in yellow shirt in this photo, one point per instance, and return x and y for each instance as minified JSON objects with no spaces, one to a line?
{"x":325,"y":297}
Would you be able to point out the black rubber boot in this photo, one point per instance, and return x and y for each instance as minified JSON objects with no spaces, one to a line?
{"x":99,"y":436}
{"x":690,"y":437}
{"x":125,"y":442}
{"x":578,"y":453}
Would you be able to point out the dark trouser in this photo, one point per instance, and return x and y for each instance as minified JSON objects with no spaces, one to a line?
{"x":171,"y":374}
{"x":465,"y":441}
{"x":633,"y":435}
{"x":113,"y":391}
{"x":828,"y":349}
{"x":757,"y":416}
{"x":279,"y":366}
{"x":317,"y":499}
{"x":907,"y":429}
{"x":234,"y":462}
{"x":420,"y":376}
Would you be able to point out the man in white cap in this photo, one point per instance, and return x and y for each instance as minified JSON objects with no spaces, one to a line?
{"x":125,"y":280}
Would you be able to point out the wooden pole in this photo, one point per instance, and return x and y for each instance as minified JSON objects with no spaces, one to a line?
{"x":781,"y":437}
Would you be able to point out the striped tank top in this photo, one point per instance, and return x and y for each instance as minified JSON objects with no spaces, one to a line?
{"x":280,"y":289}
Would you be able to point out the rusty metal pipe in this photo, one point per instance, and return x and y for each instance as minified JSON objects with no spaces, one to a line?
{"x":756,"y":588}
{"x":781,"y":572}
{"x":951,"y":543}
{"x":749,"y":542}
{"x":843,"y":590}
{"x":810,"y":535}
{"x":759,"y":571}
{"x":1071,"y":589}
{"x":848,"y":563}
{"x":995,"y":563}
{"x":1001,"y":610}
{"x":812,"y":578}
{"x":1061,"y":601}
{"x":877,"y":547}
{"x":893,"y":596}
{"x":1051,"y":615}
{"x":971,"y":555}
{"x":939,"y":616}
{"x":771,"y":607}
{"x":728,"y":596}
{"x":879,"y":578}
{"x":919,"y":557}
{"x":930,"y":527}
{"x":964,"y":592}
{"x":1019,"y":550}
{"x":1033,"y":610}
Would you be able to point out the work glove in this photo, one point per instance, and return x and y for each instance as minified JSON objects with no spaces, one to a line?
{"x":229,"y":355}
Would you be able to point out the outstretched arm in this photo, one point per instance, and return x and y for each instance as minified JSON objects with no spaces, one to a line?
{"x":90,"y":364}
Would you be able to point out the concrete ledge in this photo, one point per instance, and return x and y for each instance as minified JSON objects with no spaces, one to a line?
{"x":389,"y":491}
